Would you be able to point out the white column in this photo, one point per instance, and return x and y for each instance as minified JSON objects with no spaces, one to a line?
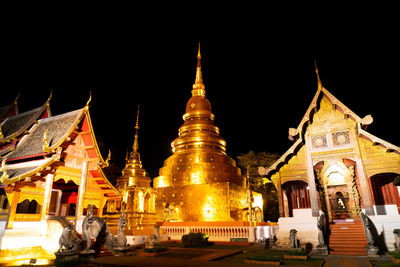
{"x":81,"y":191}
{"x":311,"y":179}
{"x":47,"y":195}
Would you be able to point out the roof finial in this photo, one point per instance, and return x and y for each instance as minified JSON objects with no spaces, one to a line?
{"x":4,"y":176}
{"x":136,"y":142}
{"x":319,"y":80}
{"x":90,"y":99}
{"x":198,"y":86}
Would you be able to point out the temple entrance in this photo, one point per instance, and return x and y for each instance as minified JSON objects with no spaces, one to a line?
{"x":338,"y":189}
{"x":339,"y":203}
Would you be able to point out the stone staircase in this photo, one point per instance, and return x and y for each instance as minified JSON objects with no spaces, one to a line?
{"x":348,"y":239}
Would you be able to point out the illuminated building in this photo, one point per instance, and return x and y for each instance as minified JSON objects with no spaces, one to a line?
{"x":138,"y":197}
{"x":337,"y":167}
{"x":53,"y":169}
{"x":200,"y":182}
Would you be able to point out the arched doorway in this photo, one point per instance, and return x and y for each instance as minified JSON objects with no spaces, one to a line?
{"x":384,"y":193}
{"x":297,"y":196}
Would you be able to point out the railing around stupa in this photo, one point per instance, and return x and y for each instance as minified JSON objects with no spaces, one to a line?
{"x":221,"y":231}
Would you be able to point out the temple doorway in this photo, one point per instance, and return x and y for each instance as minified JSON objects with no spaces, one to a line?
{"x":339,"y":202}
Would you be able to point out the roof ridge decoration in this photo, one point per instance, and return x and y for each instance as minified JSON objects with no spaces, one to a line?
{"x":5,"y":175}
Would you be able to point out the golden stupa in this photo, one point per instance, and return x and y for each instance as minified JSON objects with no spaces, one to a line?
{"x":200,"y":182}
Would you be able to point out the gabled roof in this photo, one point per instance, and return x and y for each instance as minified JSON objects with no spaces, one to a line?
{"x":16,"y":172}
{"x":297,"y":134}
{"x":58,"y":129}
{"x":9,"y":110}
{"x":14,"y":126}
{"x":293,"y":132}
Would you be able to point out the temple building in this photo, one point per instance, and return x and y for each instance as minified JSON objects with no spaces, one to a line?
{"x":54,"y":168}
{"x":336,"y":167}
{"x":200,"y":182}
{"x":138,"y":197}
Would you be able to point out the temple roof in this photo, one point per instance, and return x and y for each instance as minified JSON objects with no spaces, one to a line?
{"x":14,"y":126}
{"x":297,"y":134}
{"x":58,"y":128}
{"x":17,"y":172}
{"x":9,"y":110}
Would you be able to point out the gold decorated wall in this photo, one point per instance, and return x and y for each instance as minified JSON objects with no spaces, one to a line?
{"x":204,"y":202}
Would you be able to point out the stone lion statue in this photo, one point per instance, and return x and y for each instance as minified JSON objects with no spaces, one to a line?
{"x":121,"y":238}
{"x":96,"y":228}
{"x":294,"y":243}
{"x":154,"y":239}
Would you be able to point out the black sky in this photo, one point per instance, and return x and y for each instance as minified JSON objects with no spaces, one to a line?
{"x":259,"y":82}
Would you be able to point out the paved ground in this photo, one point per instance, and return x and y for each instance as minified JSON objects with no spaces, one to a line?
{"x":331,"y":261}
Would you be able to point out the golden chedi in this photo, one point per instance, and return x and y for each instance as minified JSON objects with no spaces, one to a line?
{"x":137,"y":196}
{"x":199,"y":182}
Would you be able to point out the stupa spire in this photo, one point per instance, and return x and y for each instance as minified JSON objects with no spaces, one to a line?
{"x":198,"y":86}
{"x":136,"y":142}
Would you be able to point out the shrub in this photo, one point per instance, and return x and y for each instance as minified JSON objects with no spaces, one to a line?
{"x":265,"y":258}
{"x":195,"y":240}
{"x":154,"y":250}
{"x":296,"y":252}
{"x":396,"y":254}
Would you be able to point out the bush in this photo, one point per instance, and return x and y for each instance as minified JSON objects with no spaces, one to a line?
{"x":296,"y":252}
{"x":195,"y":240}
{"x":396,"y":254}
{"x":265,"y":258}
{"x":154,"y":250}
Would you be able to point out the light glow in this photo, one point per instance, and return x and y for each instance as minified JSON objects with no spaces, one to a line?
{"x":209,"y":209}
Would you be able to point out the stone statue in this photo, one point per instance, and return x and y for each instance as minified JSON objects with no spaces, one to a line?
{"x":96,"y":228}
{"x":371,"y":249}
{"x":67,"y":244}
{"x":320,"y":225}
{"x":294,"y":243}
{"x":322,"y":248}
{"x":121,"y":238}
{"x":396,"y":233}
{"x":153,"y":240}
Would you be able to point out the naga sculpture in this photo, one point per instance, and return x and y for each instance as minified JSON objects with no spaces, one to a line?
{"x":371,"y":249}
{"x":96,"y":228}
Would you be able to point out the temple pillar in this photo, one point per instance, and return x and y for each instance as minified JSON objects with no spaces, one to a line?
{"x":47,"y":195}
{"x":13,"y":209}
{"x":81,"y":192}
{"x":100,"y":210}
{"x":311,"y":179}
{"x":362,"y":177}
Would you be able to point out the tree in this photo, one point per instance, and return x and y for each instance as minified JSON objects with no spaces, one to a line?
{"x":249,"y":163}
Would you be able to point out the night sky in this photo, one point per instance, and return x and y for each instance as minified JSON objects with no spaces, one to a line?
{"x":259,"y":85}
